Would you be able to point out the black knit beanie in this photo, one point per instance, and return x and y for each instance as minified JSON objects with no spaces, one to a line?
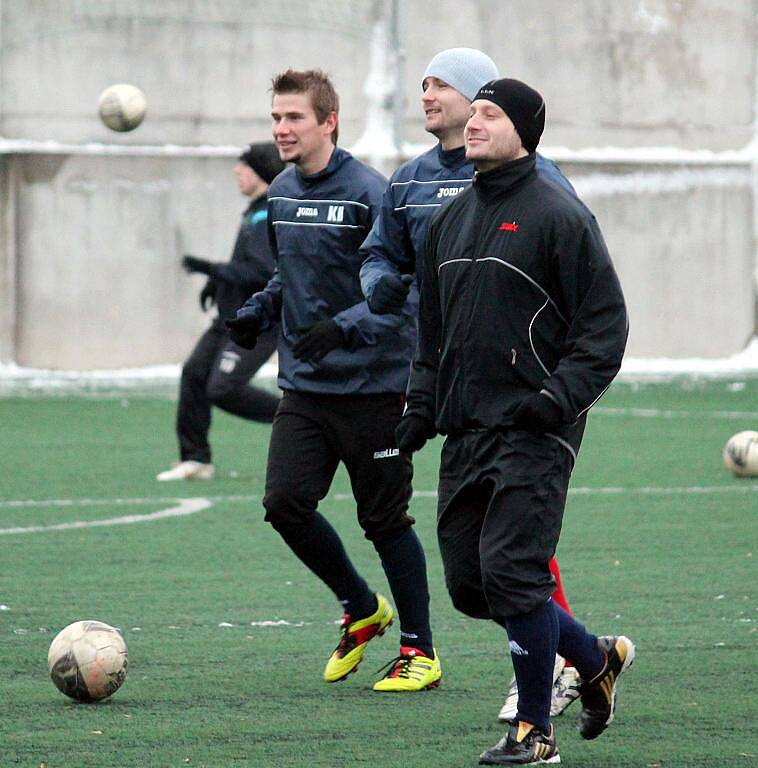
{"x":523,"y":105}
{"x":263,"y":158}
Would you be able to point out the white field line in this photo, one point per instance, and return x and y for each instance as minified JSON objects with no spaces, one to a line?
{"x":191,"y":506}
{"x":655,"y":413}
{"x":185,"y":507}
{"x":745,"y":486}
{"x":15,"y":504}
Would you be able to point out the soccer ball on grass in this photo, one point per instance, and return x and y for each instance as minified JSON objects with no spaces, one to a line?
{"x":741,"y":454}
{"x":88,"y":660}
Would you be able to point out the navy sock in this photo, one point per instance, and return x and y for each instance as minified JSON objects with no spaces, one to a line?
{"x":404,"y":564}
{"x":579,"y":645}
{"x":319,"y":546}
{"x":533,"y":641}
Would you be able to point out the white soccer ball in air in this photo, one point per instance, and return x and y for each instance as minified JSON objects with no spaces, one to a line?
{"x":122,"y":107}
{"x":741,"y":454}
{"x":88,"y":660}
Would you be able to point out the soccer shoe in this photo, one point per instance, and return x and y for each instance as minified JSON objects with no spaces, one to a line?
{"x":565,"y":691}
{"x":187,"y":470}
{"x":599,"y":694}
{"x":412,"y":670}
{"x":524,"y":744}
{"x":510,"y":708}
{"x":355,"y":636}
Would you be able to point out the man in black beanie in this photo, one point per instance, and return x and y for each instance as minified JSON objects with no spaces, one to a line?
{"x":522,"y":327}
{"x":218,"y":372}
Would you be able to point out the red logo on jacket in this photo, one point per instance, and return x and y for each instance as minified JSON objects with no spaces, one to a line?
{"x":509,"y":226}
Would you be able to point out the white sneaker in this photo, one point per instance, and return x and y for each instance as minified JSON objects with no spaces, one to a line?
{"x":509,"y":709}
{"x":188,"y":470}
{"x":565,"y":691}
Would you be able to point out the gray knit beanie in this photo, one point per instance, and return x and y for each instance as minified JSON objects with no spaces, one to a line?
{"x":466,"y":69}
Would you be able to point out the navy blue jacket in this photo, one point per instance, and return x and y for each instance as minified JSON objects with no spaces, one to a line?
{"x":415,"y":193}
{"x":316,"y":226}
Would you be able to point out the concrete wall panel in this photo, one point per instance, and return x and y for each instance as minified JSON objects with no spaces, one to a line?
{"x":684,"y":256}
{"x":204,"y":67}
{"x":100,"y":283}
{"x":626,"y":73}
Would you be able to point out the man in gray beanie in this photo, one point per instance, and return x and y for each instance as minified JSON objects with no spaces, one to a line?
{"x":393,"y":250}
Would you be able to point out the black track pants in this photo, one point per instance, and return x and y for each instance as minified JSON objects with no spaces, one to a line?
{"x":312,"y":434}
{"x":499,"y":515}
{"x":218,"y":372}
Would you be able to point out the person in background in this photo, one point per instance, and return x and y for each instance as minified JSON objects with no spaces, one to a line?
{"x":218,"y":371}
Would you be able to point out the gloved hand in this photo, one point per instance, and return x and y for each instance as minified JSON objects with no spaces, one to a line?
{"x":538,"y":413}
{"x":412,"y":432}
{"x":390,"y":293}
{"x":193,"y":264}
{"x":244,"y":331}
{"x":208,"y":294}
{"x":318,"y":340}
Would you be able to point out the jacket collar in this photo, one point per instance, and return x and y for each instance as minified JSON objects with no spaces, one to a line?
{"x":338,"y":157}
{"x":259,"y":203}
{"x":451,"y":158}
{"x":504,"y":178}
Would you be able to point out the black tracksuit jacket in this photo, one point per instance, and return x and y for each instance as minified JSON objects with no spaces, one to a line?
{"x":518,"y":295}
{"x":251,"y":265}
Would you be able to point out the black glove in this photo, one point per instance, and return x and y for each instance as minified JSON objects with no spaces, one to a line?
{"x":208,"y":294}
{"x":243,"y":331}
{"x":412,"y":432}
{"x":193,"y":264}
{"x":538,"y":413}
{"x":389,"y":294}
{"x":317,"y":340}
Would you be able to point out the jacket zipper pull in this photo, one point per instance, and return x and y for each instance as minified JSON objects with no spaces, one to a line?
{"x":513,"y":357}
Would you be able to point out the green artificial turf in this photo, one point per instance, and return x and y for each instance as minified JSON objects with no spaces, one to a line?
{"x":659,"y":543}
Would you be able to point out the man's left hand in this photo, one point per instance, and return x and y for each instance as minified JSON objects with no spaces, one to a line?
{"x":318,"y":340}
{"x":193,"y":264}
{"x":538,"y":413}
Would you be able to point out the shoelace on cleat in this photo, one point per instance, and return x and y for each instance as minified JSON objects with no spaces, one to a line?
{"x":347,"y":639}
{"x":400,"y":667}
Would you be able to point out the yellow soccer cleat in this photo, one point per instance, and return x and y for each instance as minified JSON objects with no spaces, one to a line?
{"x":412,"y":670}
{"x":355,"y":636}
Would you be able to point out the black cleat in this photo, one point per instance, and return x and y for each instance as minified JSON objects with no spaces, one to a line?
{"x":598,"y":695}
{"x":524,"y":744}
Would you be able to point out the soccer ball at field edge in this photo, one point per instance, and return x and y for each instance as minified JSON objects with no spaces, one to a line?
{"x":741,"y":454}
{"x":87,"y":660}
{"x":122,"y":107}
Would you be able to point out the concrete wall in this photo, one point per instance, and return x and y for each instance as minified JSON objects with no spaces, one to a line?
{"x":628,"y":73}
{"x":99,"y":279}
{"x":682,"y":241}
{"x":205,"y":66}
{"x":90,"y":241}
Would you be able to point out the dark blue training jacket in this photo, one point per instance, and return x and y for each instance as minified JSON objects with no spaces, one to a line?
{"x":316,"y":226}
{"x":415,"y":193}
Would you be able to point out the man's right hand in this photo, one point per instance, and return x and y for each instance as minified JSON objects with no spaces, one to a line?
{"x":389,"y":294}
{"x":208,"y":294}
{"x":412,"y":432}
{"x":243,"y":331}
